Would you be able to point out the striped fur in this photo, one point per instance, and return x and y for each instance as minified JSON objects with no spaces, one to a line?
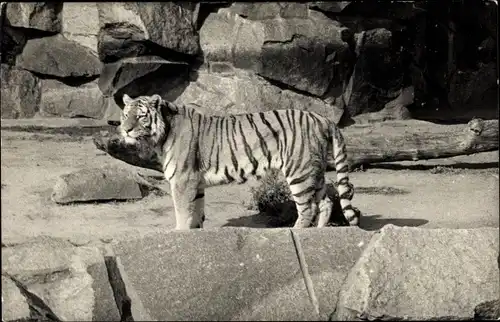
{"x":198,"y":151}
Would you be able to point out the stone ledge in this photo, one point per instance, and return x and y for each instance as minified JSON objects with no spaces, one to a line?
{"x":263,"y":274}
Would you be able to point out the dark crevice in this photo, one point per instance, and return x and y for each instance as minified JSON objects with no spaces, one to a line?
{"x":284,"y":86}
{"x":73,"y":81}
{"x":123,"y":301}
{"x":206,"y":8}
{"x":305,"y":272}
{"x":39,"y":310}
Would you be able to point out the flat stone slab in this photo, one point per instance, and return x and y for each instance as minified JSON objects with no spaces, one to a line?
{"x":223,"y":274}
{"x":422,"y":274}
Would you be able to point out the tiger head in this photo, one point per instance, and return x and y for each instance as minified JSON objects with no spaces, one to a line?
{"x":141,"y":118}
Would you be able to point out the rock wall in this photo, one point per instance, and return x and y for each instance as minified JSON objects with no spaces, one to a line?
{"x":341,"y":59}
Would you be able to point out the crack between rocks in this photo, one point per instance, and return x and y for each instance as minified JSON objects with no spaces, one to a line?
{"x":305,"y":272}
{"x":123,"y":294}
{"x":35,"y":303}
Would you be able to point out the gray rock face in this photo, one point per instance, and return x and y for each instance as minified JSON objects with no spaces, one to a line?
{"x":80,"y":23}
{"x":422,"y":274}
{"x":317,"y":48}
{"x":244,"y":92}
{"x":14,"y":305}
{"x":96,"y":184}
{"x":59,"y":99}
{"x":20,"y":91}
{"x":59,"y":57}
{"x":329,"y":263}
{"x":44,"y":16}
{"x":378,"y":74}
{"x":239,"y":275}
{"x":71,"y":281}
{"x":144,"y":76}
{"x":127,"y":29}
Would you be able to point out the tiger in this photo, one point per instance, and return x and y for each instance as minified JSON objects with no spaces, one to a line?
{"x":197,"y":151}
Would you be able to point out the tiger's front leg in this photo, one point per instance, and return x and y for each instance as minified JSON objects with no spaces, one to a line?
{"x":188,"y":197}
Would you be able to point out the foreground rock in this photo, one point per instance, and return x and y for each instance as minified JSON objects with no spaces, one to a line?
{"x":54,"y":277}
{"x":99,"y":184}
{"x":419,"y":274}
{"x":247,"y":274}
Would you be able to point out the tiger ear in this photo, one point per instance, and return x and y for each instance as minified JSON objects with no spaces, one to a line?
{"x":157,"y":100}
{"x":126,"y":99}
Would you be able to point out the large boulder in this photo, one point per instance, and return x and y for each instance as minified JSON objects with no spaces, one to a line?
{"x":144,"y":75}
{"x":133,"y":29}
{"x":20,"y":92}
{"x":80,"y":23}
{"x":71,"y":281}
{"x":422,"y":274}
{"x":97,"y":184}
{"x":41,"y":16}
{"x":237,"y":91}
{"x":59,"y":99}
{"x":304,"y":50}
{"x":57,"y":56}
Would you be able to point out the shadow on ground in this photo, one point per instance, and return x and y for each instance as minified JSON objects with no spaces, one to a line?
{"x":423,"y":167}
{"x":368,"y":222}
{"x":375,"y":222}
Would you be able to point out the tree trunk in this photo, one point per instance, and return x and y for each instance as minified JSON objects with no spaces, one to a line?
{"x":416,"y":140}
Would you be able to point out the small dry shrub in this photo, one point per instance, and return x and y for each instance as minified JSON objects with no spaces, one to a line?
{"x":272,"y":193}
{"x":273,"y":197}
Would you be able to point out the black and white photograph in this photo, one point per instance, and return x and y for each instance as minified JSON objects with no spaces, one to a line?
{"x":249,"y":161}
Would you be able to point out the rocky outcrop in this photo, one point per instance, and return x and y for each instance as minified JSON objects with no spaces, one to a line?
{"x":315,"y":47}
{"x":349,"y":58}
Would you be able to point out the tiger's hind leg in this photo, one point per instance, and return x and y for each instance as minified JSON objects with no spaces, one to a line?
{"x":304,"y":194}
{"x":325,"y":206}
{"x":200,"y":206}
{"x":188,"y":203}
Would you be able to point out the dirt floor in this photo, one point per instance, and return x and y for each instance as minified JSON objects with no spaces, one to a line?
{"x":460,"y":192}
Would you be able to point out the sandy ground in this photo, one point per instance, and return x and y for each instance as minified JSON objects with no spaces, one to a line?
{"x":404,"y":194}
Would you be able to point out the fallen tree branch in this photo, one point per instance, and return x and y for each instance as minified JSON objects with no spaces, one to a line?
{"x":416,"y":140}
